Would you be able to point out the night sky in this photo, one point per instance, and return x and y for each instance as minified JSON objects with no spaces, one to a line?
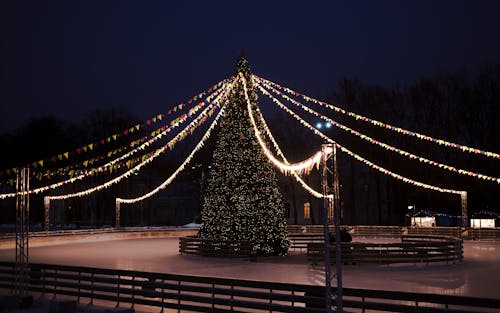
{"x":68,"y":58}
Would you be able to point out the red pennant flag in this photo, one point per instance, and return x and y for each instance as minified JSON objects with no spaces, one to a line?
{"x":148,"y":122}
{"x":125,"y":132}
{"x":78,"y":150}
{"x":102,"y":141}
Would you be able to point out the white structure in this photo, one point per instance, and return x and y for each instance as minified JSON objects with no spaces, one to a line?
{"x":482,"y":222}
{"x":423,"y":221}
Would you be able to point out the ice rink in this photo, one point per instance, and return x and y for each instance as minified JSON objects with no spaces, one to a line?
{"x":478,"y":275}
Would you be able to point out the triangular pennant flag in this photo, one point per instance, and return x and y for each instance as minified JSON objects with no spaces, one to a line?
{"x":125,"y":132}
{"x":154,"y":119}
{"x":148,"y":122}
{"x":84,"y":148}
{"x":131,"y":129}
{"x":115,"y":136}
{"x":160,"y":116}
{"x":86,"y":163}
{"x":34,"y":164}
{"x":40,"y":163}
{"x":138,"y":126}
{"x":91,"y":146}
{"x":66,"y":155}
{"x":78,"y":150}
{"x":108,"y":139}
{"x":59,"y":157}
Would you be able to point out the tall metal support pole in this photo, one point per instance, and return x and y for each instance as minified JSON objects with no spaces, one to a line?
{"x":465,"y":218}
{"x":325,"y":148}
{"x":338,"y":243}
{"x":22,"y":231}
{"x":46,"y":213}
{"x":117,"y":213}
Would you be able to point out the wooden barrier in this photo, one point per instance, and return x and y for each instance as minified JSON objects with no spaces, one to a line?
{"x":218,"y":248}
{"x":122,"y":288}
{"x":412,"y":249}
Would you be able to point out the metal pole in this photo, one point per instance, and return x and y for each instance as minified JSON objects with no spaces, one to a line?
{"x":463,"y":198}
{"x":326,"y":235}
{"x":336,"y":216}
{"x":22,"y":231}
{"x":117,"y":213}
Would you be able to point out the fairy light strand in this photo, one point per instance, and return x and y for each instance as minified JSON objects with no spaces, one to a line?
{"x":153,"y":134}
{"x":304,"y":166}
{"x":358,"y":157}
{"x":280,"y":153}
{"x":92,"y":146}
{"x":399,"y":130}
{"x":382,"y":144}
{"x":142,"y":147}
{"x":169,"y":180}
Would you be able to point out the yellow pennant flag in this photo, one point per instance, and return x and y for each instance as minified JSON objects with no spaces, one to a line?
{"x":115,"y":136}
{"x":137,"y":126}
{"x":91,"y":146}
{"x":40,"y":163}
{"x":66,"y":155}
{"x":86,"y":163}
{"x":160,"y":116}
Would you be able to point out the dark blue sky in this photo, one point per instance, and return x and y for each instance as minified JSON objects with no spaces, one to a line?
{"x":68,"y":58}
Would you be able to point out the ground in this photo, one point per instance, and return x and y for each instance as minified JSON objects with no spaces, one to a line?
{"x":476,"y":276}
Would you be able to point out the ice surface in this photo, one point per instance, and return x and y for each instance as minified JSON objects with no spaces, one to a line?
{"x":477,"y":275}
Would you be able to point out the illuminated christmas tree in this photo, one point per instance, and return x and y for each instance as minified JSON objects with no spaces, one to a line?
{"x":242,"y":200}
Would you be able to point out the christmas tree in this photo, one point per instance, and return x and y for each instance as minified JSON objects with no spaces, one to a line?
{"x":242,"y":200}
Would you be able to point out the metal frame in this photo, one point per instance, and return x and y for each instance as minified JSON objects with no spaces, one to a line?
{"x":329,"y":151}
{"x":21,"y":277}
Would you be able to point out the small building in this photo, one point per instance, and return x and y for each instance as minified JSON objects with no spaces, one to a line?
{"x":484,"y":219}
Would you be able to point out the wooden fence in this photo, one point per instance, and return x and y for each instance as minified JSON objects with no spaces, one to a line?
{"x":123,"y":288}
{"x":412,"y":249}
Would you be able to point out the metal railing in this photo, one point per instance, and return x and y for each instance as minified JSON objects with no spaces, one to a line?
{"x":411,"y":249}
{"x":210,"y":247}
{"x":211,"y":294}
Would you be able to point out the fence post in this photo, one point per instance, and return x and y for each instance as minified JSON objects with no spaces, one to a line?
{"x":270,"y":299}
{"x":118,"y":292}
{"x":91,"y":289}
{"x":133,"y":291}
{"x":162,"y":295}
{"x":79,"y":286}
{"x":55,"y":284}
{"x":178,"y":296}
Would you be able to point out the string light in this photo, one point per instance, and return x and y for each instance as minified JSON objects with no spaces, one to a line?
{"x":169,"y":180}
{"x":280,"y":153}
{"x":399,"y":130}
{"x":155,"y":133}
{"x":356,"y":156}
{"x":170,"y":144}
{"x":378,"y":143}
{"x":304,"y":166}
{"x":114,"y":137}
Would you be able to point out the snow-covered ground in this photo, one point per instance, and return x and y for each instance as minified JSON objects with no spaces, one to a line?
{"x":478,"y":275}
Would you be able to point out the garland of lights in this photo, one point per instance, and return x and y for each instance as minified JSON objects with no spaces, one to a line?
{"x":114,"y":137}
{"x":304,"y":166}
{"x":399,"y":130}
{"x":115,"y":180}
{"x":358,"y":157}
{"x":155,"y":133}
{"x":381,"y":144}
{"x":181,"y":135}
{"x":169,"y":180}
{"x":280,"y":153}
